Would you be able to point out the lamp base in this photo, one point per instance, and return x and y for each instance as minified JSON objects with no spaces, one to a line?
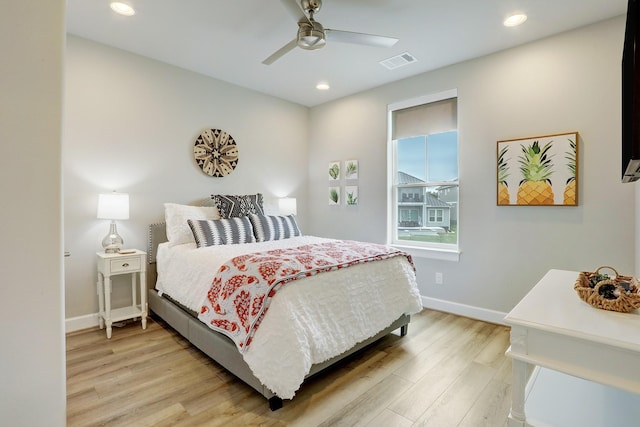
{"x":112,"y":242}
{"x":111,"y":250}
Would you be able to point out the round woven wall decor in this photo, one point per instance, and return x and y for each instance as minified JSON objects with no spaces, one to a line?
{"x":216,"y":152}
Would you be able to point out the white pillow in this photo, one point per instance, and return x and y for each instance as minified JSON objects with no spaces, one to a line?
{"x":176,"y":216}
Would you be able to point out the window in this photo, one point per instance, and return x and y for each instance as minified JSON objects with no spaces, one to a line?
{"x":423,"y":172}
{"x":435,"y":215}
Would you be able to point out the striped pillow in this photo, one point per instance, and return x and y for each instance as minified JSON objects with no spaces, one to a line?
{"x":222,"y":231}
{"x":274,"y":227}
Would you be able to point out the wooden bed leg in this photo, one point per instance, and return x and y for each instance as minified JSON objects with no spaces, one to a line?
{"x":403,"y":330}
{"x":275,"y":403}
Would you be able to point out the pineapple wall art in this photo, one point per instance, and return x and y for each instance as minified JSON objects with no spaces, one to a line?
{"x":538,"y":171}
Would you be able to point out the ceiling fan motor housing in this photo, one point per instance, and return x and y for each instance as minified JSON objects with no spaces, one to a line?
{"x":311,"y":5}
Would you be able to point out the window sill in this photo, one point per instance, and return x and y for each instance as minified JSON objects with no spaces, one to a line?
{"x":431,"y":253}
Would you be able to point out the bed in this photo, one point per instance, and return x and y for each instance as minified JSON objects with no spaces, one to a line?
{"x":315,"y":317}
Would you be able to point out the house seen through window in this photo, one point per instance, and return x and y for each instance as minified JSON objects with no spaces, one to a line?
{"x":424,"y":172}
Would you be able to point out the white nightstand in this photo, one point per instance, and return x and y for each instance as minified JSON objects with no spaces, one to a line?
{"x":121,"y":263}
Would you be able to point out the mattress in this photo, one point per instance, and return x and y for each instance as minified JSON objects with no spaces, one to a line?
{"x":309,"y":320}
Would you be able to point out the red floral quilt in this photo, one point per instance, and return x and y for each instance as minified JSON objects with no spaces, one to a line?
{"x":243,"y":286}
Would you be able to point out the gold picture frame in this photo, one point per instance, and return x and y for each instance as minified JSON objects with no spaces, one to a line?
{"x":538,"y":171}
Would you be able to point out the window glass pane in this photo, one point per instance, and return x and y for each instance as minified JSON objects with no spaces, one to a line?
{"x":412,"y":159}
{"x":442,"y":157}
{"x":428,"y":214}
{"x":432,"y":158}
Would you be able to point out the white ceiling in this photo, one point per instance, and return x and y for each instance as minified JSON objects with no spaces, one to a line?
{"x":229,"y":39}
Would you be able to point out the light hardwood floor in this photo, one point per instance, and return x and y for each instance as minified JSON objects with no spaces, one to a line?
{"x":448,"y":371}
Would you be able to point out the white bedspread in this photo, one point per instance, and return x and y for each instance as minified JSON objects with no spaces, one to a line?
{"x":309,"y":320}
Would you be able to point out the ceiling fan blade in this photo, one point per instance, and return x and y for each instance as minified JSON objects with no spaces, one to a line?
{"x":359,"y":38}
{"x":295,"y":9}
{"x":281,"y":52}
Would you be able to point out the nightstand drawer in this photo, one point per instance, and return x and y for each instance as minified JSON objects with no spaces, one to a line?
{"x":124,"y":265}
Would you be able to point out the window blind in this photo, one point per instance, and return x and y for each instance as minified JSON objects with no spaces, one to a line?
{"x":426,"y":119}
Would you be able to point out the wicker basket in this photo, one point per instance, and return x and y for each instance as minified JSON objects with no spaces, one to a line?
{"x":625,"y":301}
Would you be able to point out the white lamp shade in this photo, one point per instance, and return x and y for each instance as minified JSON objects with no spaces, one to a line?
{"x":113,"y":206}
{"x":287,"y":206}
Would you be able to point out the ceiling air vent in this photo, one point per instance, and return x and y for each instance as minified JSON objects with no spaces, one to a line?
{"x":398,"y":61}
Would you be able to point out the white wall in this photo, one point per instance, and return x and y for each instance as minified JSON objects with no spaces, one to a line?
{"x":32,"y":361}
{"x":130,"y":125}
{"x":570,"y":82}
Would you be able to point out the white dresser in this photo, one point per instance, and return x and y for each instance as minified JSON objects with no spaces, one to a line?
{"x":553,"y":328}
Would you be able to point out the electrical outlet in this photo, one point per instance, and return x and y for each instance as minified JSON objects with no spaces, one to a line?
{"x":439,"y":279}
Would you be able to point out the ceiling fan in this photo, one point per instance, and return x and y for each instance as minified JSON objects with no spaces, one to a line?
{"x":312,"y":35}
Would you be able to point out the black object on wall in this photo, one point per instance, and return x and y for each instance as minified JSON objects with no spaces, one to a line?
{"x":631,"y":95}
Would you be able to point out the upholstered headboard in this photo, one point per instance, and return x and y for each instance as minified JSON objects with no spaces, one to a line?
{"x":157,"y":235}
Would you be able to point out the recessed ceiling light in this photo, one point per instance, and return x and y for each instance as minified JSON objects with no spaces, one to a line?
{"x":122,"y":8}
{"x":515,"y":20}
{"x":322,"y":86}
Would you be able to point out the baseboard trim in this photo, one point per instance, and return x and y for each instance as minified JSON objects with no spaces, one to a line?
{"x":73,"y":324}
{"x":478,"y":313}
{"x":87,"y":321}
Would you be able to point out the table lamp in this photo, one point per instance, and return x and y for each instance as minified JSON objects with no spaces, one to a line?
{"x":113,"y":206}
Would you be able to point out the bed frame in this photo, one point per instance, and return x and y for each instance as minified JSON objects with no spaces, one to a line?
{"x":217,"y":346}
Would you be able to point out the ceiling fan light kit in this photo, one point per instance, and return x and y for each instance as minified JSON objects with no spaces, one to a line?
{"x":312,"y":35}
